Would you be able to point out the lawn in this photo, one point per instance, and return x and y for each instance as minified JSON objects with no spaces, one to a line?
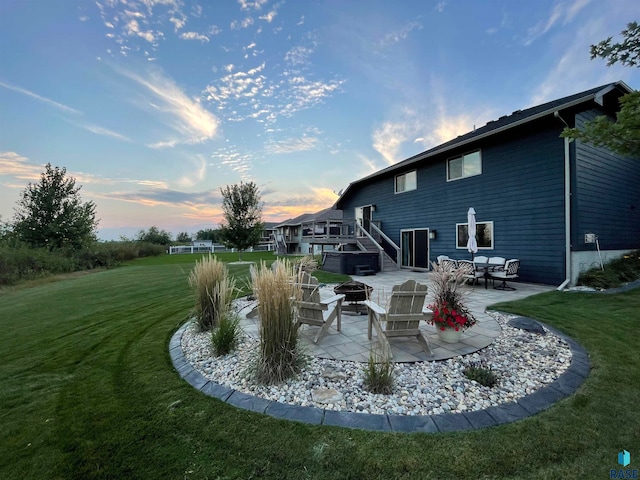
{"x":87,"y":390}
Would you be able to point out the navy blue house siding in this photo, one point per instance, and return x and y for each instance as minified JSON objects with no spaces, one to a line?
{"x":606,"y":198}
{"x":520,"y":190}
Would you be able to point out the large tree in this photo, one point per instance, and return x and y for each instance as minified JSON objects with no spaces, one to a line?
{"x":154,"y":235}
{"x":51,"y":213}
{"x":623,"y":135}
{"x":243,"y":225}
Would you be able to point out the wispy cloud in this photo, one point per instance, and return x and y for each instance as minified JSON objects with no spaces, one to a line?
{"x":400,"y":34}
{"x":255,"y":5}
{"x":194,"y":36}
{"x":13,"y":164}
{"x":292,"y":145}
{"x":98,"y":130}
{"x":563,"y":12}
{"x":240,"y":24}
{"x":185,"y":115}
{"x":574,"y":71}
{"x":40,"y":98}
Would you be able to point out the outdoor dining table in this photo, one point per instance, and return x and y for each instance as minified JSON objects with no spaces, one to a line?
{"x":485,"y":266}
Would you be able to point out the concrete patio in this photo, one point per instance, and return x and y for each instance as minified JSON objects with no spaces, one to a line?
{"x":352,"y":344}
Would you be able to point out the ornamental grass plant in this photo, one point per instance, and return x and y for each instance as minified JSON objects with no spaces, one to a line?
{"x":279,"y":356}
{"x":378,"y":374}
{"x":214,"y":291}
{"x":449,"y":310}
{"x":226,"y":336}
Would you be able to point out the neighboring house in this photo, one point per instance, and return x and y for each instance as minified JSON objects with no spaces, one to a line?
{"x":537,"y":196}
{"x":268,"y":239}
{"x":310,"y":233}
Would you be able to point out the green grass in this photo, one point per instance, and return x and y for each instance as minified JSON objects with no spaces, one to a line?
{"x":87,"y":390}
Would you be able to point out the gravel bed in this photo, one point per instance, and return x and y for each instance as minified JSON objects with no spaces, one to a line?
{"x":523,"y":361}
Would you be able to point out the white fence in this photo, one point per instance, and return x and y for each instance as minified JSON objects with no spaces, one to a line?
{"x":177,"y":249}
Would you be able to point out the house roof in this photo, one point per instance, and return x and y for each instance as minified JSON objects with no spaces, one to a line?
{"x":494,"y":127}
{"x":321,"y":216}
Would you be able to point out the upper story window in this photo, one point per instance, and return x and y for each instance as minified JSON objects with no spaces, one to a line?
{"x":466,"y":165}
{"x":406,"y":181}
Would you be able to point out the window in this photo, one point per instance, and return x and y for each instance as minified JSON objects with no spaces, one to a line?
{"x":466,"y":165}
{"x":484,"y":235}
{"x":406,"y":181}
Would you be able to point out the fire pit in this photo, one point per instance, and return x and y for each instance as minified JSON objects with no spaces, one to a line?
{"x":354,"y":292}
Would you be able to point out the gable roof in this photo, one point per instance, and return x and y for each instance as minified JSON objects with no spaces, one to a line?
{"x":506,"y":122}
{"x":321,"y":216}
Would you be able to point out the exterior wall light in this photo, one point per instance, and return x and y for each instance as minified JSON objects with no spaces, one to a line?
{"x":433,"y":234}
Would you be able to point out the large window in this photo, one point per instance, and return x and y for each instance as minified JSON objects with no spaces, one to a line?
{"x":406,"y":181}
{"x":484,"y":235}
{"x":463,"y":166}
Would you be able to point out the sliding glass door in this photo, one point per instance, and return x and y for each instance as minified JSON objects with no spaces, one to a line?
{"x":414,"y":245}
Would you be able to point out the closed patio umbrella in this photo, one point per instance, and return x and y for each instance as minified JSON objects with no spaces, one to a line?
{"x":472,"y":243}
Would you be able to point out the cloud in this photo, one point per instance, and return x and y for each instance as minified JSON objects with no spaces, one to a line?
{"x":292,"y":145}
{"x":255,"y":5}
{"x":48,"y":101}
{"x":399,"y":35}
{"x":194,"y":36}
{"x":239,"y":24}
{"x":574,"y":71}
{"x":165,"y":197}
{"x":568,"y":11}
{"x":269,"y":16}
{"x":191,"y":120}
{"x":13,"y":164}
{"x":98,"y":130}
{"x":133,"y":29}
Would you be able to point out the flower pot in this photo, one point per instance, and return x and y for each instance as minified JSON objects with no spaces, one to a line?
{"x":449,"y":335}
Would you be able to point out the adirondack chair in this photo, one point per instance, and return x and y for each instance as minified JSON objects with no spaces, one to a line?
{"x":310,"y":308}
{"x":405,"y":309}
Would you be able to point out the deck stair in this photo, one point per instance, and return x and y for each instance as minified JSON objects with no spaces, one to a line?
{"x":368,"y":245}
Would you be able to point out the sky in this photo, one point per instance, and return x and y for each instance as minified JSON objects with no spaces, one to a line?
{"x":154,"y":105}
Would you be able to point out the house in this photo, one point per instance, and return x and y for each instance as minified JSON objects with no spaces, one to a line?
{"x":557,"y":205}
{"x":311,"y":233}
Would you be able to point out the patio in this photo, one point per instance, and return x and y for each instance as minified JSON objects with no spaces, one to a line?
{"x":352,"y":344}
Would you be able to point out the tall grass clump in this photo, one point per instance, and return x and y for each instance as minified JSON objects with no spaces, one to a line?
{"x":279,"y":356}
{"x":214,"y":291}
{"x":226,"y":336}
{"x":378,"y":375}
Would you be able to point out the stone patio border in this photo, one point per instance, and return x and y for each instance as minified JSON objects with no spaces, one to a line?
{"x":524,"y":407}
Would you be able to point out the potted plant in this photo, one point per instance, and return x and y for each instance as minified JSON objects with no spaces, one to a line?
{"x":451,"y":317}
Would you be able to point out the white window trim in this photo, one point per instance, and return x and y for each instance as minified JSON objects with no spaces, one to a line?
{"x":395,"y":182}
{"x":493,"y":233}
{"x":449,"y":179}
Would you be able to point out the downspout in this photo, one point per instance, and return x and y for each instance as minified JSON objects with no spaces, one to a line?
{"x":567,"y":206}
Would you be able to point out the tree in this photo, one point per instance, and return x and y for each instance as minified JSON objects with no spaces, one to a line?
{"x":51,"y":213}
{"x":207,"y":234}
{"x":243,"y":225}
{"x":183,"y":237}
{"x":154,"y":235}
{"x":623,"y":135}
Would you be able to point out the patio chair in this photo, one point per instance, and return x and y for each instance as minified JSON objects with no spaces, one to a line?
{"x":510,"y":272}
{"x":496,"y":263}
{"x":469,"y":270}
{"x":310,"y":308}
{"x":405,"y":309}
{"x":449,"y":264}
{"x":480,"y":259}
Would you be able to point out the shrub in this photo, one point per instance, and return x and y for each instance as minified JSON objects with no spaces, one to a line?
{"x":378,"y":376}
{"x":214,"y":291}
{"x":616,"y":272}
{"x":279,"y":356}
{"x":481,"y":373}
{"x":226,"y":335}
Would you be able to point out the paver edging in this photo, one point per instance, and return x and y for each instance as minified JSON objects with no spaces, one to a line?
{"x":529,"y":405}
